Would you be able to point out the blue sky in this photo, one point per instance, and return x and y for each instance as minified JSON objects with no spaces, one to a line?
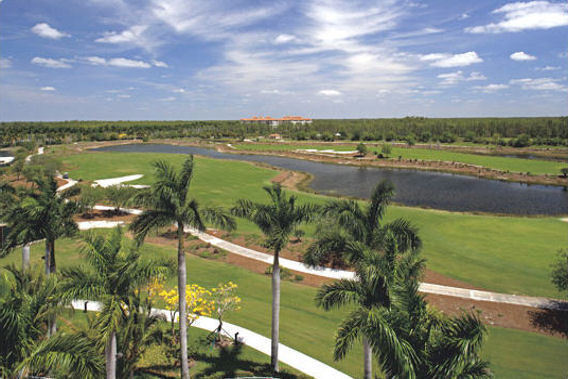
{"x":227,"y":59}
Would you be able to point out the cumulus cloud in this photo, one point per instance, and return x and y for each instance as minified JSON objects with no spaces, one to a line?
{"x":452,"y":78}
{"x":522,"y":56}
{"x":45,"y":31}
{"x":520,"y":16}
{"x":51,"y":63}
{"x":491,"y":87}
{"x":449,"y":60}
{"x":159,"y":64}
{"x":47,"y":88}
{"x":329,"y":92}
{"x":130,"y":35}
{"x":540,"y":84}
{"x":284,"y":38}
{"x":117,"y":62}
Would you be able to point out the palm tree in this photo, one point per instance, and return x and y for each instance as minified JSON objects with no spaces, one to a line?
{"x":277,"y":220}
{"x":355,"y":232}
{"x":27,"y":303}
{"x":43,"y":213}
{"x":371,"y":292}
{"x":168,"y":202}
{"x":443,"y":346}
{"x":114,"y":275}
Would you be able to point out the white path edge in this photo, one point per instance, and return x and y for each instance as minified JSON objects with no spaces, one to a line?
{"x":291,"y":357}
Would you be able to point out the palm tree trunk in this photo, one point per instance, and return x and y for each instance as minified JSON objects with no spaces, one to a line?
{"x":275,"y":311}
{"x":52,"y":265}
{"x":47,"y":258}
{"x":368,"y":359}
{"x":182,"y":281}
{"x":110,"y":356}
{"x":25,"y":257}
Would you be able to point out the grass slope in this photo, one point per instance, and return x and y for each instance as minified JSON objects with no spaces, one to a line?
{"x":504,"y":254}
{"x":311,"y":330}
{"x":533,"y":166}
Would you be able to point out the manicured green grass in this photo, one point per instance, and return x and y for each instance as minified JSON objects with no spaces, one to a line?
{"x":516,"y":354}
{"x":533,"y":166}
{"x":504,"y":254}
{"x":311,"y":330}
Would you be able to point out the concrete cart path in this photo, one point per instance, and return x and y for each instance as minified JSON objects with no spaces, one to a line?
{"x":114,"y":181}
{"x":291,"y":357}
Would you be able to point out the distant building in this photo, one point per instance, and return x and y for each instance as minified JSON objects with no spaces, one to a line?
{"x":267,"y":120}
{"x":275,"y":136}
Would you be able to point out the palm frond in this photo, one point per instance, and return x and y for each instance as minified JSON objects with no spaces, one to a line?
{"x":338,"y":293}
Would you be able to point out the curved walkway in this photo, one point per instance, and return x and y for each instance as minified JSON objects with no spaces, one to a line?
{"x":287,"y":355}
{"x":435,"y":289}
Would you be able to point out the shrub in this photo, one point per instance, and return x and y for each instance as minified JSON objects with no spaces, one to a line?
{"x":362,"y":149}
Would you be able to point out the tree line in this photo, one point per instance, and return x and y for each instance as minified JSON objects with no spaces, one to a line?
{"x":519,"y":132}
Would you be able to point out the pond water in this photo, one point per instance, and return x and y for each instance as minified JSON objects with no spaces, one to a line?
{"x":413,"y":187}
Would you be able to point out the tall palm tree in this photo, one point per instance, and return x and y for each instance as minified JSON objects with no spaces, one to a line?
{"x":168,"y":201}
{"x":355,"y":232}
{"x":371,"y":292}
{"x":277,"y":220}
{"x":43,"y":213}
{"x":27,"y":302}
{"x":114,"y":274}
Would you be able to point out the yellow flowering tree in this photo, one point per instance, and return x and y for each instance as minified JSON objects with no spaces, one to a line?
{"x":225,"y":300}
{"x":198,"y":300}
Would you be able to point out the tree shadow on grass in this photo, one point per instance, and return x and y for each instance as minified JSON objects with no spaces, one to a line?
{"x":229,"y":364}
{"x":552,"y":321}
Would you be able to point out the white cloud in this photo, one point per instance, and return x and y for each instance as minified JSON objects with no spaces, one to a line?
{"x":491,"y":87}
{"x":179,"y":90}
{"x":329,"y":92}
{"x":127,"y":36}
{"x":270,"y":92}
{"x":124,"y":96}
{"x":548,"y":68}
{"x":125,"y":62}
{"x":45,"y":31}
{"x":96,"y":61}
{"x":171,"y":98}
{"x":51,"y":63}
{"x":540,"y":84}
{"x":449,"y":60}
{"x":5,"y":63}
{"x":159,"y":64}
{"x":464,"y":16}
{"x":117,"y":62}
{"x":452,"y":78}
{"x":284,"y":38}
{"x":47,"y":88}
{"x":522,"y":56}
{"x":520,"y":16}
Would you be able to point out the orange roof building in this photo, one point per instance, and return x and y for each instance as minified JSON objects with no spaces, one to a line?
{"x":276,"y":121}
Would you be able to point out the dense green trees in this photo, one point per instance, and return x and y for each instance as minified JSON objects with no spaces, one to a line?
{"x":113,"y":274}
{"x":539,"y":130}
{"x":278,"y":221}
{"x":27,"y":303}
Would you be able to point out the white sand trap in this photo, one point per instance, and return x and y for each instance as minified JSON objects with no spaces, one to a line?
{"x":565,"y":219}
{"x":6,"y":160}
{"x":114,"y":181}
{"x":86,"y":225}
{"x":329,"y":151}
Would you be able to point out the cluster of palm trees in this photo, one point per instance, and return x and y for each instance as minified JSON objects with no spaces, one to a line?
{"x":391,"y":319}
